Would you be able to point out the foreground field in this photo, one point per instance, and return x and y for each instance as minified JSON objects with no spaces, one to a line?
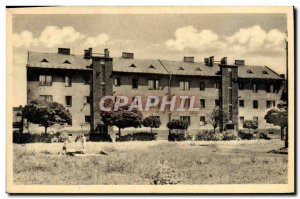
{"x":230,"y":162}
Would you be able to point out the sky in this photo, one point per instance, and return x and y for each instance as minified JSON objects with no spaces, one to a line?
{"x":256,"y":38}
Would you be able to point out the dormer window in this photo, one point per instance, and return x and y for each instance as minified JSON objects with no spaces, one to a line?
{"x":67,"y":62}
{"x":45,"y":60}
{"x":151,"y":66}
{"x":180,"y":68}
{"x":133,"y":66}
{"x":249,"y":71}
{"x":198,"y":69}
{"x":265,"y":72}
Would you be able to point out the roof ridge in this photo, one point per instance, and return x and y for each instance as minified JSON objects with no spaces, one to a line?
{"x":54,"y":53}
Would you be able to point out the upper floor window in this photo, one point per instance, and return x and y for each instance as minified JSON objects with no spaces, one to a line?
{"x":184,"y":85}
{"x":255,"y":87}
{"x":135,"y":83}
{"x":270,"y":104}
{"x":202,"y":86}
{"x":255,"y":118}
{"x":45,"y":80}
{"x":87,"y":99}
{"x":241,"y":86}
{"x":87,"y":119}
{"x":241,"y":103}
{"x":186,"y":102}
{"x":217,"y":102}
{"x":202,"y":120}
{"x":47,"y":98}
{"x":270,"y":88}
{"x":202,"y":103}
{"x":68,"y":100}
{"x":117,"y":81}
{"x":68,"y":81}
{"x":255,"y":104}
{"x":186,"y":119}
{"x":217,"y":85}
{"x":153,"y":84}
{"x":242,"y":119}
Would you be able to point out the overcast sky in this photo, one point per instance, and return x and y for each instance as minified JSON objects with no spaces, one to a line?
{"x":256,"y":38}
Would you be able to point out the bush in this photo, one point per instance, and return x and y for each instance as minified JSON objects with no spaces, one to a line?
{"x":230,"y":135}
{"x":263,"y":136}
{"x":179,"y":136}
{"x":23,"y":138}
{"x":209,"y":136}
{"x":246,"y":136}
{"x":140,"y":136}
{"x":99,"y":137}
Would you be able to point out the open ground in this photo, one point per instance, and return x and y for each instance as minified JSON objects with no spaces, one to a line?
{"x":199,"y":162}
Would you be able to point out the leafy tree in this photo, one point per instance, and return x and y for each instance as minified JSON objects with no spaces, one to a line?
{"x":122,"y":118}
{"x":152,"y":122}
{"x":215,"y":118}
{"x":46,"y":114}
{"x":177,"y":124}
{"x":250,"y":124}
{"x":279,"y":117}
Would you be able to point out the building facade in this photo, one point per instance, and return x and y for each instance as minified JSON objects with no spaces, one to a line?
{"x":79,"y":82}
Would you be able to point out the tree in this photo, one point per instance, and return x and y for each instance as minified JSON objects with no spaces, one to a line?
{"x":46,"y":114}
{"x":279,"y":117}
{"x":177,"y":124}
{"x":216,"y":118}
{"x":152,"y":122}
{"x":122,"y":118}
{"x":250,"y":124}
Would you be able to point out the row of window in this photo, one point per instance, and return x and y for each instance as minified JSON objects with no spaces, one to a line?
{"x":269,"y":104}
{"x":68,"y":99}
{"x":255,"y":87}
{"x":242,"y":119}
{"x":46,"y":80}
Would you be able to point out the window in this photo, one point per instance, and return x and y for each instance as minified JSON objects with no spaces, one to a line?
{"x":241,"y":86}
{"x":68,"y":100}
{"x":184,"y":85}
{"x":67,"y":62}
{"x":255,"y":87}
{"x":241,"y":103}
{"x":186,"y":119}
{"x":180,"y":68}
{"x":217,"y":85}
{"x":45,"y":60}
{"x":202,"y":120}
{"x":270,"y":104}
{"x":265,"y":72}
{"x":249,"y":71}
{"x":270,"y":88}
{"x":255,"y":104}
{"x":153,"y":84}
{"x":68,"y":81}
{"x":45,"y":80}
{"x":217,"y":102}
{"x":133,"y":66}
{"x":117,"y":81}
{"x":255,"y":118}
{"x":87,"y":99}
{"x":202,"y":103}
{"x":242,"y":119}
{"x":47,"y":98}
{"x":70,"y":122}
{"x":87,"y":119}
{"x":87,"y":80}
{"x":198,"y":69}
{"x":151,"y":66}
{"x":135,"y":83}
{"x":202,"y":86}
{"x":187,"y":103}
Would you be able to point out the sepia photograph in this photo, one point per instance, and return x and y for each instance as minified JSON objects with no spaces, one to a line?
{"x":150,"y":100}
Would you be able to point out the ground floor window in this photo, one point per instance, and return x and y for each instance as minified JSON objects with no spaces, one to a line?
{"x":202,"y":120}
{"x":186,"y":119}
{"x":47,"y":98}
{"x":87,"y":119}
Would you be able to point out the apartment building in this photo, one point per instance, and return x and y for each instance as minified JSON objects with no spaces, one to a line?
{"x":79,"y":82}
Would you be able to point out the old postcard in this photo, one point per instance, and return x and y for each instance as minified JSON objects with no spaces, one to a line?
{"x":150,"y":100}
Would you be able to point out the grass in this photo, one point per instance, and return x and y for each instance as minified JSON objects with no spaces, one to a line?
{"x":224,"y":162}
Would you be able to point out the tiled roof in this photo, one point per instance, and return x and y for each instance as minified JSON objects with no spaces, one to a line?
{"x":259,"y":72}
{"x":138,"y":66}
{"x":55,"y":60}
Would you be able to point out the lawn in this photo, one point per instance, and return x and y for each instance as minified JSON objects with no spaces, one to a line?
{"x":224,"y":162}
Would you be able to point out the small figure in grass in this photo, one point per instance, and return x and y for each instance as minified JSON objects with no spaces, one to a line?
{"x":83,"y":143}
{"x":65,"y":147}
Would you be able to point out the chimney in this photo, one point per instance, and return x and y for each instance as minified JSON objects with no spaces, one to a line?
{"x":64,"y":51}
{"x":188,"y":59}
{"x":88,"y":53}
{"x":126,"y":55}
{"x":211,"y":60}
{"x":224,"y":61}
{"x":239,"y":62}
{"x":206,"y":61}
{"x":106,"y":53}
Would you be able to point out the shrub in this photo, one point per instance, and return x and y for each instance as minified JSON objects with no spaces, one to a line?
{"x":263,"y":136}
{"x":179,"y":136}
{"x":209,"y":136}
{"x":98,"y":137}
{"x":246,"y":136}
{"x":140,"y":136}
{"x":230,"y":135}
{"x":23,"y":138}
